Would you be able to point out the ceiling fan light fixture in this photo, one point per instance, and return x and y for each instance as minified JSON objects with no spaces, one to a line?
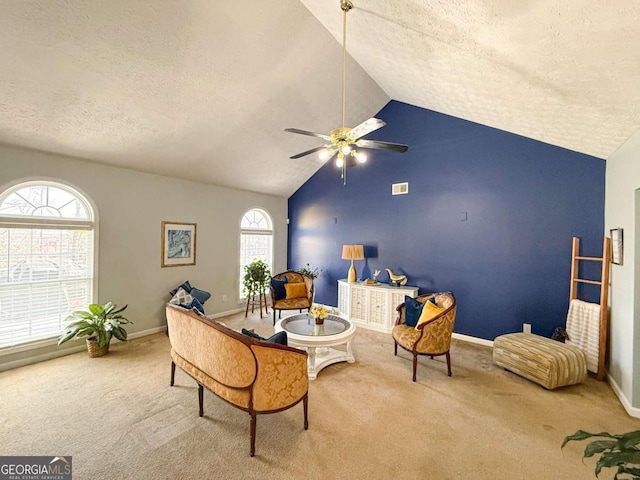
{"x":344,"y":140}
{"x":324,"y":154}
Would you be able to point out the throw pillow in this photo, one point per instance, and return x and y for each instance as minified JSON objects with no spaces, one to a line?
{"x":280,"y":337}
{"x":296,"y":290}
{"x":186,"y":285}
{"x":429,"y":311}
{"x":251,"y":333}
{"x":201,"y":295}
{"x":279,"y":292}
{"x":181,"y":297}
{"x":194,"y":304}
{"x":412,"y":311}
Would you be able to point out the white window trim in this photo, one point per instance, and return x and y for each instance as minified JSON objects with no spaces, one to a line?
{"x":46,"y":222}
{"x":254,"y":231}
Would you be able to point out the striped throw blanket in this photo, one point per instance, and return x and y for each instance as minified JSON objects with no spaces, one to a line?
{"x":583,"y":328}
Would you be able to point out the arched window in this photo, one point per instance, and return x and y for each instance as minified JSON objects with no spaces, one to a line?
{"x":256,"y":240}
{"x":46,"y":259}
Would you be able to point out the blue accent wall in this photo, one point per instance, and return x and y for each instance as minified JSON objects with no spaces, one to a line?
{"x":508,"y":263}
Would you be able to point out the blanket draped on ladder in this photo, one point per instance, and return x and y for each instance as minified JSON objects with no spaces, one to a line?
{"x":583,"y":329}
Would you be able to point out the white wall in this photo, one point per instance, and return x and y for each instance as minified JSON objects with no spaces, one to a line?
{"x":131,"y":206}
{"x":622,"y":180}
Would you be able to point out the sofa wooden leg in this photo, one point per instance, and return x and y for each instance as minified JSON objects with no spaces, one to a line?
{"x":305,"y":406}
{"x":253,"y":434}
{"x":274,"y":317}
{"x":395,"y":348}
{"x":415,"y":366}
{"x":448,"y":362}
{"x":200,"y":399}
{"x":173,"y":373}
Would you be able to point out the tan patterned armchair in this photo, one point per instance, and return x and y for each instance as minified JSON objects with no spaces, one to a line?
{"x":431,"y":338}
{"x":297,"y":293}
{"x":253,"y":375}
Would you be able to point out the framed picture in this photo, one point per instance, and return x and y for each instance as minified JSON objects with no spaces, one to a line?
{"x":616,"y":246}
{"x":178,"y":244}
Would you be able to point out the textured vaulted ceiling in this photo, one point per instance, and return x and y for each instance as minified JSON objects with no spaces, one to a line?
{"x":204,"y":89}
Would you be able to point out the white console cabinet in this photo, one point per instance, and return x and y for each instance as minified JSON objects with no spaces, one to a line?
{"x":372,"y":306}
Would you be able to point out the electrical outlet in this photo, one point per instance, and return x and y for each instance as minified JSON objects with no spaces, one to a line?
{"x":224,"y":298}
{"x":526,"y":327}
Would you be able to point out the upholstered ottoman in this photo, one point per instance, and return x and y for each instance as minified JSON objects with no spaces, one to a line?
{"x":547,"y":362}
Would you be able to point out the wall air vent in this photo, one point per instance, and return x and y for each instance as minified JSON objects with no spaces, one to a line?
{"x":400,"y":188}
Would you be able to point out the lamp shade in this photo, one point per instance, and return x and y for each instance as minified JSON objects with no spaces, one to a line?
{"x":353,"y":252}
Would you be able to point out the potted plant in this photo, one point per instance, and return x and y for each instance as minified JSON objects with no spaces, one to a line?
{"x":99,"y":323}
{"x":621,"y":451}
{"x":310,"y":271}
{"x":256,"y":278}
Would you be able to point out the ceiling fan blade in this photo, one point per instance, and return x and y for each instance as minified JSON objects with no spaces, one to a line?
{"x":305,"y":132}
{"x":366,"y":127}
{"x":394,"y":147}
{"x":313,"y":150}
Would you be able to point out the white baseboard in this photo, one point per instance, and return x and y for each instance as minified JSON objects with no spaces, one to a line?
{"x":41,"y":358}
{"x":68,"y":351}
{"x":470,"y":339}
{"x":631,"y":410}
{"x":225,"y":314}
{"x":143,"y":333}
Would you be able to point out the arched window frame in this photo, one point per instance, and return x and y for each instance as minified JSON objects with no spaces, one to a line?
{"x":49,"y":223}
{"x":257,"y":223}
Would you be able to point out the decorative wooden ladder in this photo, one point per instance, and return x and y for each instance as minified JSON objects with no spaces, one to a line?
{"x":604,"y":293}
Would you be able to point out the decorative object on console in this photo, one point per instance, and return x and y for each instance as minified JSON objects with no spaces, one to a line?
{"x":343,"y":141}
{"x":178,"y":244}
{"x":352,"y":252}
{"x":376,"y":272}
{"x":319,"y":313}
{"x":396,"y":280}
{"x":99,"y":323}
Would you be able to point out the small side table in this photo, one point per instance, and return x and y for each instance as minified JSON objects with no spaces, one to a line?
{"x":251,"y":299}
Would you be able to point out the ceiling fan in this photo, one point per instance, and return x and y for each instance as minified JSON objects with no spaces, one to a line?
{"x":345,"y":142}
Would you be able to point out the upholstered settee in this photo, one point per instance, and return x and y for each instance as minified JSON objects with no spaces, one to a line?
{"x":290,"y":291}
{"x":255,"y":376}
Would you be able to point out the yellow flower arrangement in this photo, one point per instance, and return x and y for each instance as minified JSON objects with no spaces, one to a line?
{"x":319,"y":313}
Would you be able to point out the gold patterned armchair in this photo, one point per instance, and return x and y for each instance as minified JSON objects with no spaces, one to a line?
{"x":255,"y":376}
{"x":290,"y":291}
{"x":432,"y":334}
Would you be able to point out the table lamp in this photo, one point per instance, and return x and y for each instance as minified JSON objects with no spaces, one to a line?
{"x":352,"y":252}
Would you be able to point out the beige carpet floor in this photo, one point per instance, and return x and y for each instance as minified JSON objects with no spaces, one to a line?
{"x":119,"y":419}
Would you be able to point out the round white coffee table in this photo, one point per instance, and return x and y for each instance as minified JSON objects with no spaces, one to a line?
{"x":326,"y":344}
